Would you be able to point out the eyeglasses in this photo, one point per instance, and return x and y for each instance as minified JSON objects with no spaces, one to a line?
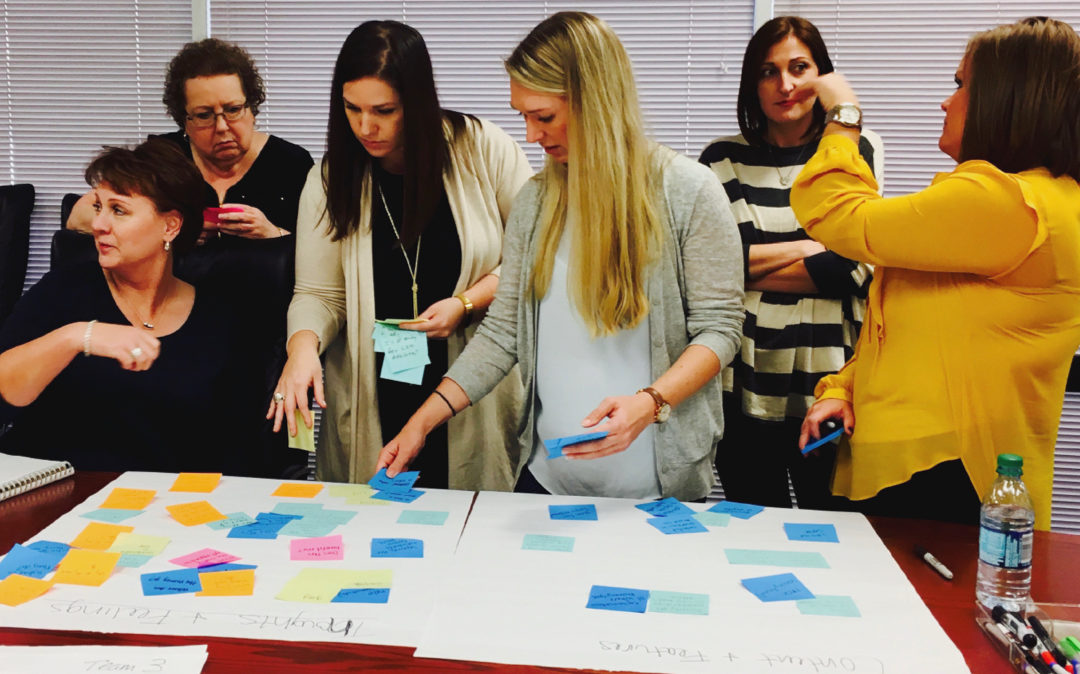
{"x":205,"y":118}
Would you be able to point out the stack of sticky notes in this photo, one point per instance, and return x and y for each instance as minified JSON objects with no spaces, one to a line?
{"x":672,"y":516}
{"x":633,"y":600}
{"x":398,"y":488}
{"x":405,"y":352}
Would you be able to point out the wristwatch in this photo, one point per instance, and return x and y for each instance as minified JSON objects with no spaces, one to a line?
{"x":845,"y":114}
{"x":663,"y":409}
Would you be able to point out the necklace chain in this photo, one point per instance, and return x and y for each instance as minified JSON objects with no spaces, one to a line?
{"x":414,"y":267}
{"x":146,"y":324}
{"x":785,"y":181}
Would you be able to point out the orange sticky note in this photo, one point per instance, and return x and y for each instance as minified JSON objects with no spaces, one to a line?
{"x":16,"y":589}
{"x":99,"y":535}
{"x":196,"y":512}
{"x":129,"y":499}
{"x":238,"y":583}
{"x":298,"y":490}
{"x":201,"y":482}
{"x":86,"y":567}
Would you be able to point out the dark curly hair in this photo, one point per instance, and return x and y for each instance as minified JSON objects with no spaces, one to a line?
{"x":207,"y":58}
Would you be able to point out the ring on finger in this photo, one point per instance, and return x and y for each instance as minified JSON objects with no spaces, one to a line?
{"x":136,"y":352}
{"x":279,"y":397}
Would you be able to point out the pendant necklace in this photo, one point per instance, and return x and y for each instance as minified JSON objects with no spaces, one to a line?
{"x":146,"y":324}
{"x":785,"y":181}
{"x":413,"y":266}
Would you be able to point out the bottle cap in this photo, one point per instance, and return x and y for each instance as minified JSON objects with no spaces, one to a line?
{"x":1010,"y":465}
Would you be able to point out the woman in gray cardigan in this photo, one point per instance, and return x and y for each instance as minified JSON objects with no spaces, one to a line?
{"x":622,"y":272}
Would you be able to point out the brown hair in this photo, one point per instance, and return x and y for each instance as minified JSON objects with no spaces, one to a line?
{"x":207,"y":58}
{"x":159,"y":171}
{"x":1024,"y":97}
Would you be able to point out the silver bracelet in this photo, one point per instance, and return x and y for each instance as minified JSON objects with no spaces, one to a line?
{"x":86,"y":337}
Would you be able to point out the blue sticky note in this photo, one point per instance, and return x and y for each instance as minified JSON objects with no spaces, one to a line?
{"x":548,"y":543}
{"x":432,"y":517}
{"x":822,"y":533}
{"x":381,"y":333}
{"x":27,"y":562}
{"x":554,"y":449}
{"x":50,"y":547}
{"x":171,"y":582}
{"x":398,"y":496}
{"x":743,"y":511}
{"x":405,"y":350}
{"x":677,"y":525}
{"x":555,"y":446}
{"x":225,"y":567}
{"x":112,"y":515}
{"x":781,"y":587}
{"x":276,"y":518}
{"x":402,"y":482}
{"x":397,"y":547}
{"x":231,"y":520}
{"x":364,"y":595}
{"x":266,"y":526}
{"x":683,"y":603}
{"x":309,"y":527}
{"x":797,"y":558}
{"x":584,"y":511}
{"x":618,"y":599}
{"x":413,"y":375}
{"x":668,"y":507}
{"x":132,"y":561}
{"x":810,"y":446}
{"x":831,"y":605}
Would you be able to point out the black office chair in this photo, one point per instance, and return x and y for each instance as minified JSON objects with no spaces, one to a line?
{"x":16,"y":205}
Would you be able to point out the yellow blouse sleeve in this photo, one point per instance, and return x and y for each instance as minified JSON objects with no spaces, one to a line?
{"x":975,"y":219}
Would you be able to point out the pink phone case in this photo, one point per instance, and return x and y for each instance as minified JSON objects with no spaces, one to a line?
{"x":212,"y":214}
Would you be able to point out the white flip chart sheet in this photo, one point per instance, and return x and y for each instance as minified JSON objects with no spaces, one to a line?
{"x":608,"y":589}
{"x":133,"y":659}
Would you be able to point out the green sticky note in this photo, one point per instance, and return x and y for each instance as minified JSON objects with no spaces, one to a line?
{"x":549,"y":543}
{"x":432,"y":517}
{"x":320,"y":586}
{"x":834,"y":605}
{"x":807,"y":560}
{"x":685,"y":603}
{"x":139,"y":544}
{"x":396,"y":321}
{"x":231,"y":521}
{"x":711,"y":519}
{"x":132,"y":561}
{"x":112,"y":515}
{"x":305,"y":437}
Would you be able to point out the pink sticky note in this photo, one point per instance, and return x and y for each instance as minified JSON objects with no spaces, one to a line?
{"x":204,"y":557}
{"x":318,"y":549}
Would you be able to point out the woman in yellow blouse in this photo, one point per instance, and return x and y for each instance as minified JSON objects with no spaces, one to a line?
{"x":974,"y":312}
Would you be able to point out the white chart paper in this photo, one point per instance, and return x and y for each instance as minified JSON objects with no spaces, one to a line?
{"x":136,"y":659}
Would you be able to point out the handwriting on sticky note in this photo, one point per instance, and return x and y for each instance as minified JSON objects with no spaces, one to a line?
{"x":781,"y":587}
{"x":397,"y":547}
{"x":231,"y":520}
{"x":584,"y":511}
{"x":325,"y":548}
{"x":295,"y":490}
{"x":28,"y":562}
{"x":202,"y":483}
{"x":831,"y":605}
{"x":368,"y":595}
{"x":548,"y":543}
{"x":86,"y":567}
{"x":677,"y":525}
{"x":398,"y":496}
{"x":194,"y":513}
{"x":743,"y":511}
{"x":234,"y":583}
{"x":17,"y":589}
{"x":808,"y":560}
{"x":609,"y":598}
{"x":204,"y":557}
{"x":122,"y":498}
{"x":99,"y":535}
{"x":668,"y":507}
{"x":139,"y":544}
{"x":402,"y":482}
{"x":182,"y":581}
{"x":431,"y":517}
{"x":685,"y":603}
{"x":711,"y":519}
{"x":821,"y":533}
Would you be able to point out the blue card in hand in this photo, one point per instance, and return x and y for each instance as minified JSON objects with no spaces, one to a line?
{"x":811,"y":446}
{"x":555,"y":446}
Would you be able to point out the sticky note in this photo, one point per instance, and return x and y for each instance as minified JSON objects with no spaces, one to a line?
{"x":684,"y":603}
{"x":677,"y":525}
{"x":196,"y":512}
{"x":743,"y":511}
{"x":349,"y":490}
{"x":618,"y":599}
{"x":335,"y":516}
{"x":50,"y":547}
{"x":308,"y":527}
{"x":397,"y":547}
{"x":810,"y":446}
{"x":711,"y":519}
{"x":365,"y":500}
{"x":122,"y":498}
{"x":139,"y":544}
{"x":554,"y":446}
{"x":305,"y":437}
{"x":781,"y":587}
{"x":28,"y":562}
{"x":204,"y":557}
{"x":181,"y":581}
{"x":668,"y":507}
{"x":398,"y":496}
{"x":548,"y":543}
{"x":300,"y":509}
{"x":16,"y":589}
{"x":832,"y":605}
{"x":369,"y":595}
{"x":130,"y":560}
{"x":414,"y":376}
{"x":317,"y":549}
{"x":99,"y":535}
{"x":585,"y":511}
{"x":433,"y":517}
{"x":235,"y":583}
{"x":823,"y":533}
{"x":264,"y":530}
{"x":225,"y":567}
{"x":231,"y":520}
{"x":86,"y":567}
{"x":112,"y":515}
{"x":808,"y":560}
{"x":275,"y":518}
{"x":402,"y":482}
{"x":203,"y":483}
{"x":294,"y":490}
{"x":322,"y":585}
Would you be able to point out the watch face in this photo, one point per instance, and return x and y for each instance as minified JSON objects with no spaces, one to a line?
{"x":663,"y":413}
{"x":848,"y":116}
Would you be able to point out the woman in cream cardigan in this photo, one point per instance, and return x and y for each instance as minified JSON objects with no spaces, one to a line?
{"x":403,"y":219}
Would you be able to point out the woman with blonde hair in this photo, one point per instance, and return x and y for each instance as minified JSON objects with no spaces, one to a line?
{"x":621,"y":296}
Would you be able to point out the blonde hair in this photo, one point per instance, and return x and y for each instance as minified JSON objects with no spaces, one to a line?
{"x":609,"y":187}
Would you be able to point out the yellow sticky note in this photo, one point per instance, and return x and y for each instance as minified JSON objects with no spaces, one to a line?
{"x":129,"y":499}
{"x":238,"y":583}
{"x":305,"y":437}
{"x":298,"y":490}
{"x":99,"y":535}
{"x":349,"y":490}
{"x":322,"y":585}
{"x":139,"y":544}
{"x":86,"y":567}
{"x":16,"y":589}
{"x":365,"y":500}
{"x":203,"y":483}
{"x":196,"y":512}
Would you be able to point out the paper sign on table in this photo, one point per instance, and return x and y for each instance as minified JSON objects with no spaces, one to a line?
{"x":808,"y":560}
{"x":111,"y":515}
{"x":743,"y":511}
{"x":677,"y":525}
{"x":86,"y":567}
{"x":781,"y":587}
{"x":684,"y":603}
{"x":231,"y":583}
{"x":823,"y":533}
{"x":326,"y":548}
{"x":668,"y":507}
{"x":548,"y":543}
{"x":202,"y":483}
{"x":16,"y":589}
{"x":397,"y":547}
{"x":830,"y":605}
{"x":231,"y":520}
{"x":196,"y":512}
{"x":585,"y":511}
{"x":305,"y":436}
{"x":618,"y":599}
{"x":27,"y":562}
{"x":139,"y":544}
{"x":181,"y":581}
{"x":122,"y":498}
{"x":165,"y":659}
{"x":99,"y":535}
{"x":432,"y":517}
{"x":294,"y":490}
{"x":204,"y":557}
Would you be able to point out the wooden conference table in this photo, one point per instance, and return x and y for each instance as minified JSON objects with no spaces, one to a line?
{"x":951,"y":602}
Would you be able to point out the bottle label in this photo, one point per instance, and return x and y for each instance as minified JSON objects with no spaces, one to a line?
{"x":1005,"y":549}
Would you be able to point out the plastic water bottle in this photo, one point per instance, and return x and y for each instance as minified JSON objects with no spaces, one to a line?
{"x":1006,"y":533}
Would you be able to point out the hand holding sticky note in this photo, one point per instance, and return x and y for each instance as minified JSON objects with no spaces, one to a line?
{"x":405,"y":353}
{"x":828,"y":426}
{"x":555,"y":446}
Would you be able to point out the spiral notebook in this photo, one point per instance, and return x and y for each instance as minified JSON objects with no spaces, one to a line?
{"x":20,"y":474}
